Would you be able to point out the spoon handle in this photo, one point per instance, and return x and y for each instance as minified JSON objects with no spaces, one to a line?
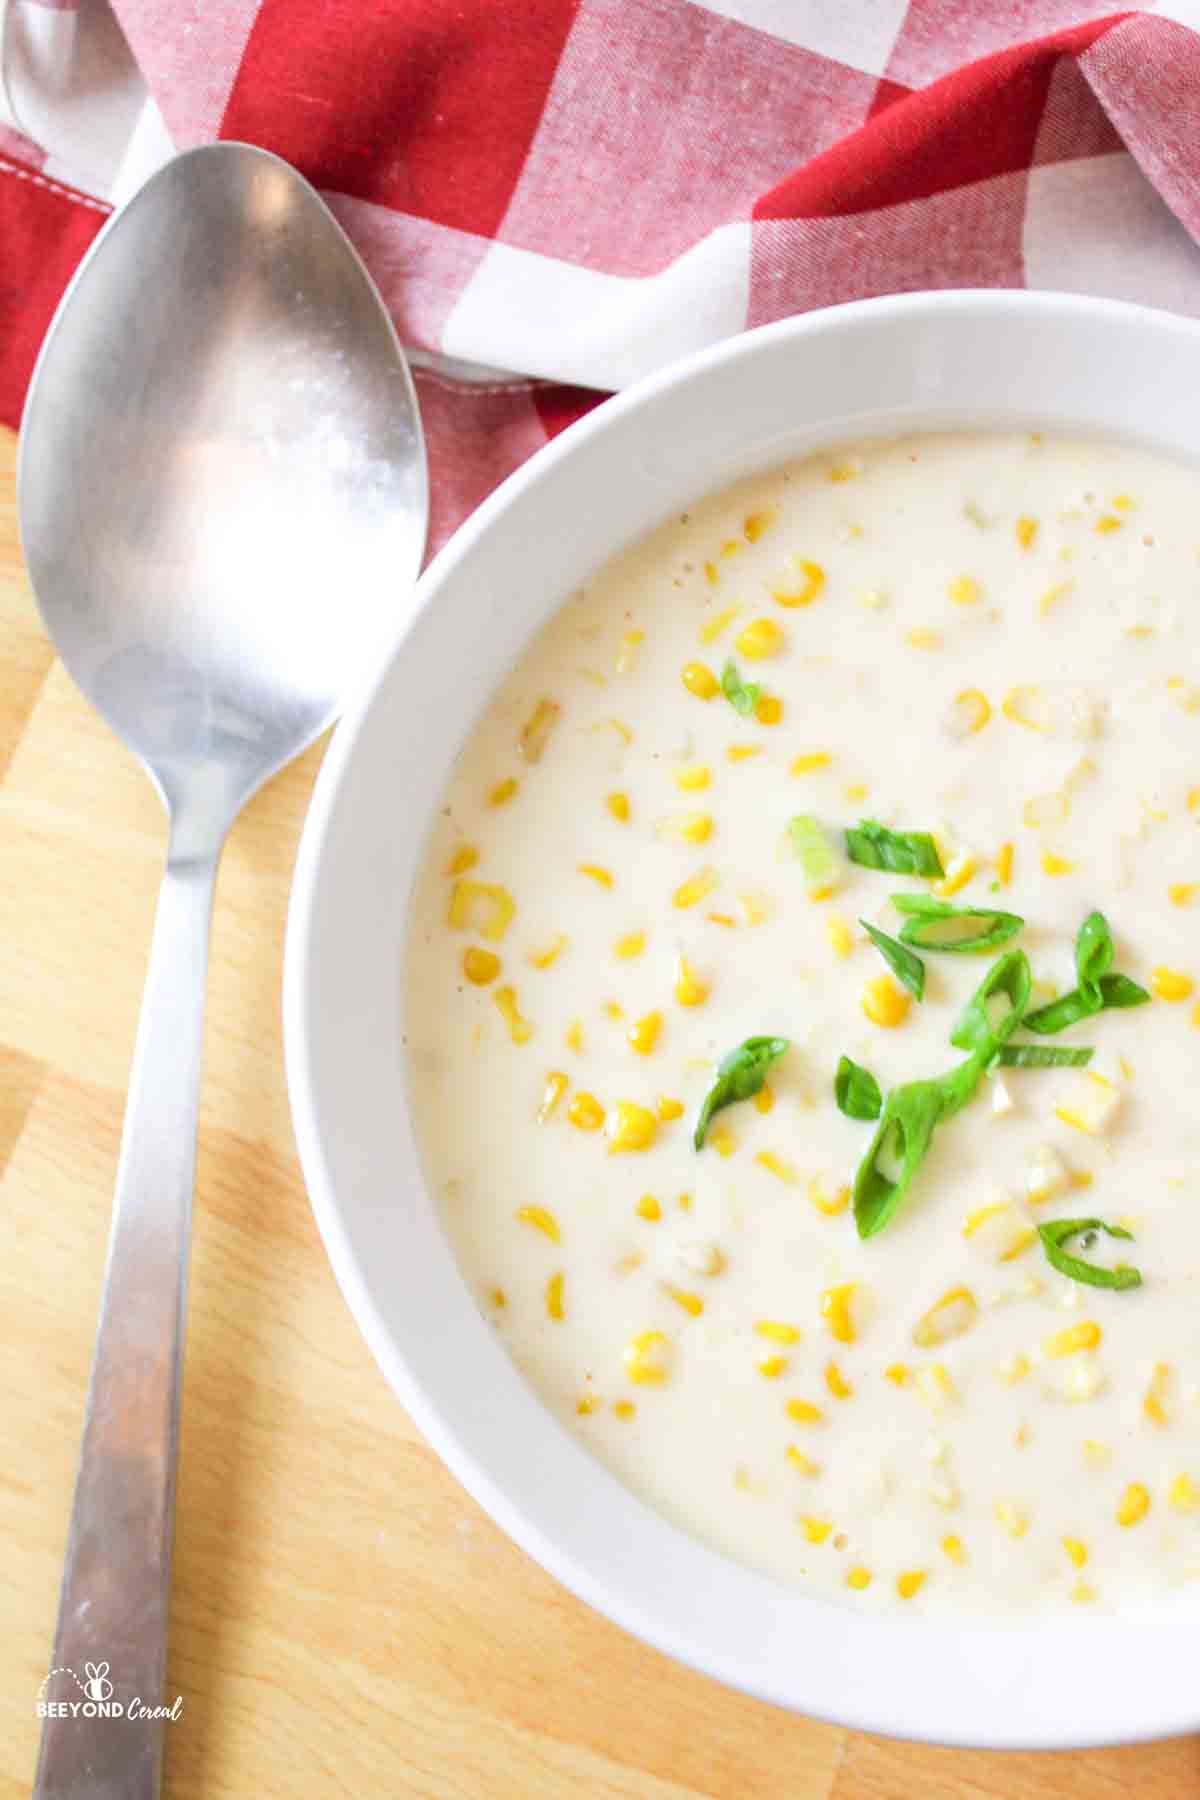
{"x":110,"y":1644}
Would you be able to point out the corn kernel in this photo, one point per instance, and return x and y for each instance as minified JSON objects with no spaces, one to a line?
{"x":1046,"y":810}
{"x":556,"y":1087}
{"x":541,"y":1220}
{"x":1135,"y":1504}
{"x":970,"y":713}
{"x":648,"y":1208}
{"x":1013,"y":1518}
{"x":630,"y":1127}
{"x":777,"y":1166}
{"x":1171,"y":984}
{"x":480,"y":966}
{"x":714,"y":625}
{"x":922,"y":638}
{"x":692,"y":1304}
{"x":1106,"y":523}
{"x":1096,"y":1455}
{"x":858,"y":1577}
{"x":829,"y":1201}
{"x":936,"y":1387}
{"x":519,"y":1028}
{"x":549,"y":954}
{"x":772,"y":1366}
{"x":629,"y":946}
{"x":667,"y":1108}
{"x":574,"y":1035}
{"x":1154,"y":1405}
{"x":1014,"y":1370}
{"x":803,"y":1465}
{"x":627,"y":654}
{"x":1183,"y":1494}
{"x":1076,"y":1550}
{"x":1026,"y":532}
{"x":692,"y":776}
{"x":695,"y":828}
{"x":1084,"y":1336}
{"x":502,"y":792}
{"x":1182,"y":893}
{"x":704,"y":1258}
{"x":1046,"y":1176}
{"x":1091,"y":1104}
{"x":536,"y":730}
{"x":1004,"y":863}
{"x":742,"y":752}
{"x":1000,"y":1231}
{"x":885,"y":1003}
{"x":964,"y":590}
{"x":952,"y":1547}
{"x":777,"y":1332}
{"x":712,"y":574}
{"x":958,"y":872}
{"x":730,"y":547}
{"x":836,"y":1382}
{"x":643,"y":1035}
{"x":585,"y":1112}
{"x":764,"y":1100}
{"x":899,"y":1374}
{"x":647,"y":1358}
{"x":699,"y":680}
{"x":837,"y":1309}
{"x":760,"y":639}
{"x":841,"y":939}
{"x":1053,"y":864}
{"x":804,"y":1412}
{"x":617,"y":726}
{"x":768,"y":710}
{"x":464,"y":858}
{"x":722,"y":1141}
{"x":1024,"y":706}
{"x":554,"y":1297}
{"x":602,"y":877}
{"x":953,"y":1314}
{"x":801,"y":587}
{"x":756,"y":523}
{"x":911,"y":1582}
{"x":614,"y":1010}
{"x":618,"y":806}
{"x":809,"y":763}
{"x":483,"y":906}
{"x":587,"y":1404}
{"x":815,"y":1530}
{"x":697,"y":886}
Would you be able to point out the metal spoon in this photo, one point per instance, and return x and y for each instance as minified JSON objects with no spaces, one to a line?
{"x":223,"y":501}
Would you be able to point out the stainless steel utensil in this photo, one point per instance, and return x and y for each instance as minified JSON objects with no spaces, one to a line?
{"x":223,"y":499}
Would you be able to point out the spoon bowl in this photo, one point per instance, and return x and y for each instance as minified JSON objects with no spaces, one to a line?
{"x":223,"y":500}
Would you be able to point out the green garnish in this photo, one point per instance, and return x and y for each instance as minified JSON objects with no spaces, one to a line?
{"x":818,"y":859}
{"x":904,"y":965}
{"x":739,"y":1077}
{"x":1042,"y":1056}
{"x":900,"y":852}
{"x":997,"y":1006}
{"x":936,"y":925}
{"x":743,"y":696}
{"x":1097,"y":989}
{"x":1057,"y":1232}
{"x":856,"y":1091}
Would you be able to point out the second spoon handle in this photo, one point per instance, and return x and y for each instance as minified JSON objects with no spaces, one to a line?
{"x":110,"y":1644}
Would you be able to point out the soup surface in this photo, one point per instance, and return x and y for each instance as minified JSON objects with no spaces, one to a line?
{"x":908,"y":1361}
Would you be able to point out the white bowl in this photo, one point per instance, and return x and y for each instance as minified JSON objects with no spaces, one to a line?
{"x":1004,"y":360}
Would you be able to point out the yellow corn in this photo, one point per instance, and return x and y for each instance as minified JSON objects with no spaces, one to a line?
{"x":1013,"y":1518}
{"x":953,"y":1314}
{"x":755,"y":908}
{"x":643,"y":1034}
{"x":722,"y":1140}
{"x":695,"y":888}
{"x":841,"y":939}
{"x":1170,"y":984}
{"x":1026,"y":532}
{"x":1156,"y":1393}
{"x":730,"y":547}
{"x":498,"y":1298}
{"x":1182,"y":893}
{"x":772,"y":1366}
{"x":464,"y":858}
{"x":922,"y":638}
{"x":1004,"y":863}
{"x":899,"y":1374}
{"x":936,"y":1386}
{"x":1135,"y":1504}
{"x":713,"y":626}
{"x":760,"y":639}
{"x":857,"y":791}
{"x":1092,"y":1103}
{"x":585,"y":1112}
{"x":541,"y":1220}
{"x":802,"y":586}
{"x":777,"y":1166}
{"x":667,"y":1109}
{"x":695,"y":828}
{"x":836,"y":1382}
{"x":826,"y":1200}
{"x":810,"y":762}
{"x":503,"y":791}
{"x":911,"y":1582}
{"x":699,"y":680}
{"x":480,"y":966}
{"x":1053,"y":594}
{"x":1107,"y":522}
{"x":970,"y":713}
{"x":737,"y":753}
{"x":627,"y":654}
{"x":614,"y":1010}
{"x":958,"y":872}
{"x":594,"y":872}
{"x":624,"y":1409}
{"x":1095,"y":1455}
{"x":815,"y":1530}
{"x":858,"y":1577}
{"x":777,"y":1332}
{"x":803,"y":1465}
{"x":1023,"y":706}
{"x":769,"y":710}
{"x":586,"y":1404}
{"x":756,"y":523}
{"x":618,"y":806}
{"x":629,"y":946}
{"x":648,"y":1208}
{"x":556,"y":1087}
{"x":519,"y":1028}
{"x":615,"y":725}
{"x":712,"y":574}
{"x":964,"y":590}
{"x":692,"y":1304}
{"x":1183,"y":1494}
{"x":1014,"y":1370}
{"x":647,"y":1358}
{"x":690,"y":990}
{"x":1002,"y":1230}
{"x":1053,"y":864}
{"x":764,"y":1100}
{"x":543,"y":959}
{"x":1084,"y":1336}
{"x":692,"y":776}
{"x":846,"y":471}
{"x":804,"y":1412}
{"x":952,"y":1547}
{"x":482,"y":906}
{"x":554,"y":1297}
{"x":837,"y":1309}
{"x":574,"y":1035}
{"x":885,"y":1003}
{"x":631,"y":1127}
{"x":537,"y":729}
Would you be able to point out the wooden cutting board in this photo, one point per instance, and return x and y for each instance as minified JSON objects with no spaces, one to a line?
{"x":345,"y":1619}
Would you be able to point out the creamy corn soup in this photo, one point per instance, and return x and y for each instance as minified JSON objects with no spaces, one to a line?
{"x":803,"y":1034}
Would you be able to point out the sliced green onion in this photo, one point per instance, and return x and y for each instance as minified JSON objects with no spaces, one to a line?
{"x":960,"y":1084}
{"x":1094,"y":953}
{"x":904,"y":965}
{"x":818,"y":859}
{"x":856,"y":1091}
{"x":1119,"y":990}
{"x":1057,"y":1232}
{"x":900,"y":852}
{"x":739,"y":1077}
{"x":1068,"y":1009}
{"x":936,"y":925}
{"x":895,"y":1153}
{"x":996,"y":1007}
{"x":1043,"y":1056}
{"x":743,"y":696}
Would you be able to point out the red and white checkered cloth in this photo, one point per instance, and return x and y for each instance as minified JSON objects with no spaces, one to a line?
{"x":574,"y":192}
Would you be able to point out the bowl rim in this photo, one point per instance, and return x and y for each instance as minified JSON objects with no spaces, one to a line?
{"x":1140,"y":1722}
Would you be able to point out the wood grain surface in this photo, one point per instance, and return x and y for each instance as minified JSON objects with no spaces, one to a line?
{"x":345,"y":1620}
